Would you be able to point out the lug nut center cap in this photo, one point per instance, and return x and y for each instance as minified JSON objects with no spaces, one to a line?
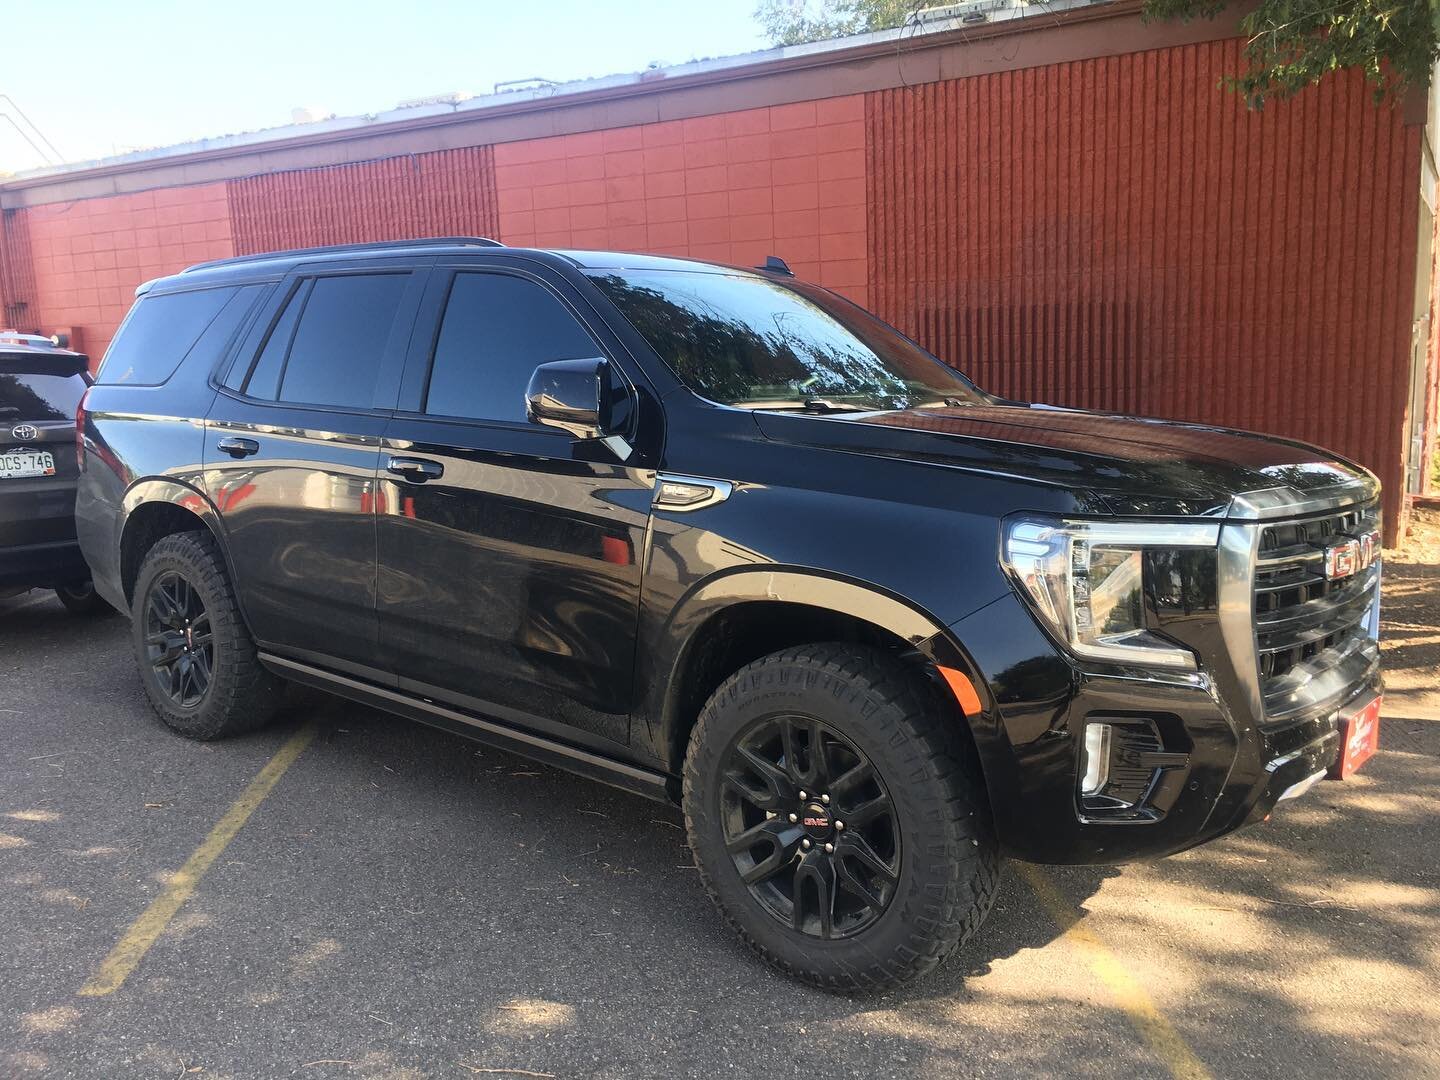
{"x":816,"y":820}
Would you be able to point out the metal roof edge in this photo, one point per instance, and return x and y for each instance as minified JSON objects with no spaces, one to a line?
{"x":900,"y":41}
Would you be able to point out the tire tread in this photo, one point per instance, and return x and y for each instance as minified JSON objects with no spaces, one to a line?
{"x":958,"y":902}
{"x":244,"y":694}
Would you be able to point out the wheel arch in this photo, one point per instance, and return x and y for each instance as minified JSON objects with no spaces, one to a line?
{"x":736,"y":618}
{"x":154,"y":509}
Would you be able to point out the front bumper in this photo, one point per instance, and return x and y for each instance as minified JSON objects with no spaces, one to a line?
{"x":1221,"y":767}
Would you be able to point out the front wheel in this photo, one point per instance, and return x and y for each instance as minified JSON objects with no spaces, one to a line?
{"x":196,"y":657}
{"x":838,"y":819}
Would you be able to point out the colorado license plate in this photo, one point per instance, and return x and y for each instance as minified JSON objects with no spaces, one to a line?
{"x":14,"y":463}
{"x":1359,"y":738}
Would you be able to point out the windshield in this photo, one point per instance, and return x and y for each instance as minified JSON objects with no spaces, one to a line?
{"x":755,"y":343}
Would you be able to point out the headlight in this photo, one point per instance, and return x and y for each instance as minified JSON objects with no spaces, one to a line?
{"x":1086,"y":580}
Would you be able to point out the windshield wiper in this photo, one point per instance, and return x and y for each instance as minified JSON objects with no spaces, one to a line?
{"x":810,"y":405}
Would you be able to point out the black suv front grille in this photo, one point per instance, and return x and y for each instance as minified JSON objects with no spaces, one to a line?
{"x":1314,"y":637}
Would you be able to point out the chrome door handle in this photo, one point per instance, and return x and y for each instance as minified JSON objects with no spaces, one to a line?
{"x":417,"y":469}
{"x":238,"y":448}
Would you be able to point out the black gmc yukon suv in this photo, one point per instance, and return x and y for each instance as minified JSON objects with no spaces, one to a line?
{"x":718,"y":536}
{"x":40,"y":389}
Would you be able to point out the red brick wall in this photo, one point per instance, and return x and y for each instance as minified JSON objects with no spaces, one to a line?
{"x":1114,"y":233}
{"x":88,"y":257}
{"x":786,"y":180}
{"x":17,"y":274}
{"x":447,"y":193}
{"x":1121,"y":234}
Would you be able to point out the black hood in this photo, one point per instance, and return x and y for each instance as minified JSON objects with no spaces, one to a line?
{"x":1124,"y":464}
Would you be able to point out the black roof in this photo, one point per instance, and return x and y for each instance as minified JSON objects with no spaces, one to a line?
{"x":278,"y":263}
{"x":333,"y":249}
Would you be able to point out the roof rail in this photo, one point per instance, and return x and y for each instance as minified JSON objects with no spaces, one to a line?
{"x":378,"y":245}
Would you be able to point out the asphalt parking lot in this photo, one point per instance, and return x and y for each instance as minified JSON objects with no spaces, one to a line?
{"x":403,"y":904}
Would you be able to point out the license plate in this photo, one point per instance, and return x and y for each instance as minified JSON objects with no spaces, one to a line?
{"x":1359,"y":739}
{"x":15,"y":463}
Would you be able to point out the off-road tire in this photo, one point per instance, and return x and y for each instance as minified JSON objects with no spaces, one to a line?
{"x":949,"y":859}
{"x":83,"y":600}
{"x":242,"y":695}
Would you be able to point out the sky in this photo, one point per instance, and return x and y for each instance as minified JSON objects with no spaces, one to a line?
{"x":99,"y":77}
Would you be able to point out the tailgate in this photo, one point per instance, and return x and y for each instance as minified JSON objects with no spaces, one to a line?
{"x":37,"y":457}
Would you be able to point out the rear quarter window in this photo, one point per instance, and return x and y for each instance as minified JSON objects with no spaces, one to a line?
{"x":163,"y":331}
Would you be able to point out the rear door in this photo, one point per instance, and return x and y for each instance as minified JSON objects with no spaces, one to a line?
{"x":292,"y":447}
{"x":509,"y":576}
{"x":38,"y":398}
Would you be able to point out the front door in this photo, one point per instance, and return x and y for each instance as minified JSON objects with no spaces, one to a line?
{"x":509,"y":553}
{"x":292,"y":449}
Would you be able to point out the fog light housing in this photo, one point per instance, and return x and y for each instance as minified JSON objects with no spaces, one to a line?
{"x":1122,"y":762}
{"x":1095,"y":764}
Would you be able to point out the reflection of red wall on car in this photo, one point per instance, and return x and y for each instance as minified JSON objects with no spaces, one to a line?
{"x":1068,"y":209}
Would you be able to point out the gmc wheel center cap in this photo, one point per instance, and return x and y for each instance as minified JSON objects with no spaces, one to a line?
{"x":815,"y":818}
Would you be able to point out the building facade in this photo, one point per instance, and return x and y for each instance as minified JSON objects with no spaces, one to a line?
{"x":1067,"y":208}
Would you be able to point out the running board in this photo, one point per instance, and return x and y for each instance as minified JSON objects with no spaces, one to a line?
{"x":594,"y":766}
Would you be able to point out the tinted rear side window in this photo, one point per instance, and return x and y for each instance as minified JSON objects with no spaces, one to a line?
{"x":264,"y":381}
{"x":39,"y":397}
{"x":496,"y":330}
{"x":334,"y":358}
{"x":159,"y":333}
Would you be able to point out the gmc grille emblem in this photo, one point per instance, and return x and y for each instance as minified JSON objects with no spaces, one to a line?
{"x":1350,"y":555}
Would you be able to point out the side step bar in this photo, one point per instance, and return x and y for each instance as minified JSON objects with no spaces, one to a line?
{"x":594,"y":766}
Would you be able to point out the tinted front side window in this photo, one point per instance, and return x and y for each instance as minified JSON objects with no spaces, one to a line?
{"x":158,"y":334}
{"x":496,"y":330}
{"x":335,"y":356}
{"x":38,"y":397}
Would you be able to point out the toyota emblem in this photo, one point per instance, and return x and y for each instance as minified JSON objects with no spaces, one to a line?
{"x":24,"y":432}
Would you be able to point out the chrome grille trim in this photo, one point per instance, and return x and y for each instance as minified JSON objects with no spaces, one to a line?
{"x":1300,"y":644}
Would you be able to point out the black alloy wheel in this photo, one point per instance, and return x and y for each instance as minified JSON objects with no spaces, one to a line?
{"x":810,"y":826}
{"x":838,"y":815}
{"x":179,"y":642}
{"x":198,"y":663}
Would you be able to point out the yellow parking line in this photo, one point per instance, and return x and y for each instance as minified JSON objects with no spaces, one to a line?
{"x":131,"y":948}
{"x":1159,"y":1034}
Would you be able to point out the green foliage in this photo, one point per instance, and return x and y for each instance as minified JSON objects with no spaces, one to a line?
{"x":1292,"y":43}
{"x":794,"y":22}
{"x":1296,"y":43}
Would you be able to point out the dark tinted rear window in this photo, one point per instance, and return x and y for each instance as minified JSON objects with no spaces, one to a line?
{"x":159,"y":333}
{"x":264,"y":380}
{"x":335,"y":357}
{"x":39,"y":397}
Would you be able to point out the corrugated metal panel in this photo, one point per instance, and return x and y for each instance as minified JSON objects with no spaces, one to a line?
{"x":17,"y":277}
{"x":445,"y":193}
{"x":1121,"y":234}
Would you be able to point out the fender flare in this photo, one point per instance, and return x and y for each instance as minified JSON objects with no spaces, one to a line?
{"x":164,"y":489}
{"x":862,"y":600}
{"x":173,"y":492}
{"x":727,"y":589}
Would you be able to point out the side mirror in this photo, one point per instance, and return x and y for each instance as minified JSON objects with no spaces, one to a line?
{"x":578,"y":396}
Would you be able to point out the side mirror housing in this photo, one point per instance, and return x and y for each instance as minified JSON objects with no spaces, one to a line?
{"x":573,"y":395}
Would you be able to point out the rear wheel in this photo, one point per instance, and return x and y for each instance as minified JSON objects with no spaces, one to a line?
{"x":82,"y":599}
{"x":837,"y":818}
{"x":197,"y":660}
